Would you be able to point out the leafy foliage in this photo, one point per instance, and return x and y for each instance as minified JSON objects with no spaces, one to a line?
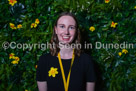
{"x":114,"y":72}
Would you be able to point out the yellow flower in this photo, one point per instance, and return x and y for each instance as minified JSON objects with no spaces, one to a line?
{"x":16,"y":58}
{"x":11,"y":55}
{"x":120,"y":53}
{"x":113,"y":24}
{"x":19,"y":26}
{"x":53,"y":71}
{"x":92,"y":28}
{"x":36,"y":66}
{"x":134,"y":7}
{"x":14,"y":62}
{"x":12,"y":2}
{"x":107,"y":1}
{"x":12,"y":26}
{"x":125,"y":51}
{"x":33,"y":25}
{"x":26,"y":90}
{"x":37,"y":21}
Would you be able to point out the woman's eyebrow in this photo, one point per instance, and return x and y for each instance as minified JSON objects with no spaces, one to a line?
{"x":72,"y":25}
{"x":69,"y":25}
{"x":61,"y":24}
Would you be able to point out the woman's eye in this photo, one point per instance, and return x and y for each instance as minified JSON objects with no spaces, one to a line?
{"x":61,"y":26}
{"x":72,"y":28}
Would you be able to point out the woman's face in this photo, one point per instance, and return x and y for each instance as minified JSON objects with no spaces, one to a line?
{"x":65,"y":29}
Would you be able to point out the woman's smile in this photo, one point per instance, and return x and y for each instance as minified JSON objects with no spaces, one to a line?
{"x":65,"y":29}
{"x":66,"y":38}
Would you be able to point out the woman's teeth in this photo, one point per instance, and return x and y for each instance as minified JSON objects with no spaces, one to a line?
{"x":66,"y":37}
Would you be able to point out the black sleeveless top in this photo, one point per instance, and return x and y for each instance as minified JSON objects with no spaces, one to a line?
{"x":82,"y":71}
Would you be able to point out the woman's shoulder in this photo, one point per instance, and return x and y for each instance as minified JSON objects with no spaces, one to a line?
{"x":45,"y":56}
{"x":86,"y":57}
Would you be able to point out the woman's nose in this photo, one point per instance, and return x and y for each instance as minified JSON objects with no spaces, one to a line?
{"x":67,"y":31}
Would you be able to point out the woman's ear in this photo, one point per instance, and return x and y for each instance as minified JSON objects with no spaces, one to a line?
{"x":55,"y":28}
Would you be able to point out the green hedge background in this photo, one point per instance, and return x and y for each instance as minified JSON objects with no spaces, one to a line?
{"x":115,"y":69}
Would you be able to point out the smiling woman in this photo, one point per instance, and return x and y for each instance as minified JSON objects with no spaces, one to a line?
{"x":65,"y":32}
{"x":65,"y":69}
{"x":65,"y":29}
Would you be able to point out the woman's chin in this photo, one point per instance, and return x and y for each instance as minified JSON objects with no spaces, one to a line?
{"x":63,"y":43}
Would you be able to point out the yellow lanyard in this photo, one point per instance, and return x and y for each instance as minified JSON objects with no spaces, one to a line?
{"x":66,"y":83}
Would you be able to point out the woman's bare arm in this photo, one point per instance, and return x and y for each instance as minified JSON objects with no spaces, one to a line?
{"x":90,"y":86}
{"x":42,"y":86}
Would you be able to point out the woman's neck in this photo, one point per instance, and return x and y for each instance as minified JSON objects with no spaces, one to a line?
{"x":66,"y":53}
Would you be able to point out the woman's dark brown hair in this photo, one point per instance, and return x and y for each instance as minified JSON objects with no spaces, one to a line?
{"x":55,"y":42}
